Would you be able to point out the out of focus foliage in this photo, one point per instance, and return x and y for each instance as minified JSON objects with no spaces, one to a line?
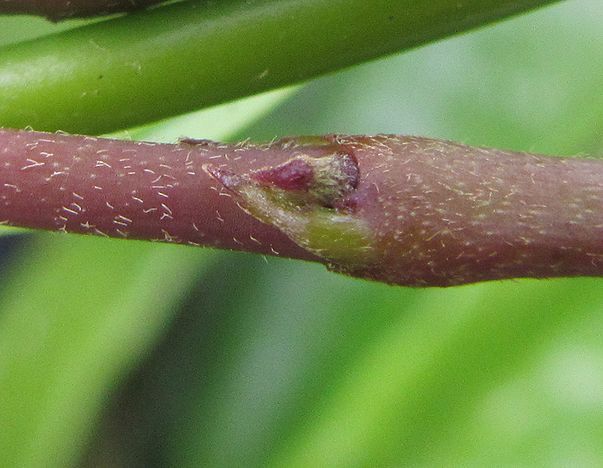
{"x":117,"y":353}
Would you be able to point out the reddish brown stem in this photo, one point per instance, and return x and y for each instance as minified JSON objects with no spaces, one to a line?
{"x":131,"y":189}
{"x":60,"y":9}
{"x":449,"y":214}
{"x":402,"y":210}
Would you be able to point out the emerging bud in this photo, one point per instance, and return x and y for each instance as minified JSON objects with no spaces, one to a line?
{"x":307,"y":199}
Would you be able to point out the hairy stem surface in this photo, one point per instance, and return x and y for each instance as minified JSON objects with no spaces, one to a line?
{"x":402,"y":210}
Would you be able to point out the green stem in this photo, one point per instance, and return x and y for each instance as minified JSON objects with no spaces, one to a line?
{"x":177,"y":58}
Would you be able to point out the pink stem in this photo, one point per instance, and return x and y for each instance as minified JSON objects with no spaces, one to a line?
{"x":401,"y":210}
{"x":134,"y":190}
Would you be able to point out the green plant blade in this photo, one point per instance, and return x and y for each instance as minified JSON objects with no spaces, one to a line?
{"x":398,"y":409}
{"x":154,"y":64}
{"x":72,"y":324}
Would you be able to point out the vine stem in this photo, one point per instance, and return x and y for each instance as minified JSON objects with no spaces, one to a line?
{"x":401,"y":210}
{"x":61,"y":9}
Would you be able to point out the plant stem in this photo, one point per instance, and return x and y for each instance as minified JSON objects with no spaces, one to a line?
{"x":135,"y":190}
{"x":61,"y":9}
{"x":402,"y":210}
{"x":165,"y":61}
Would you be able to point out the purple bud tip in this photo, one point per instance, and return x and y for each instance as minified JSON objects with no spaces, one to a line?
{"x":294,"y":175}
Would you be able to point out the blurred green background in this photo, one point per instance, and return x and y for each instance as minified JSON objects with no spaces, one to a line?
{"x":120,"y":353}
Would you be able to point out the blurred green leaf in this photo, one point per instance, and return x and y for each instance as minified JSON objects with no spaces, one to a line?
{"x":419,"y":382}
{"x":76,"y":316}
{"x":300,"y":326}
{"x":15,"y":29}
